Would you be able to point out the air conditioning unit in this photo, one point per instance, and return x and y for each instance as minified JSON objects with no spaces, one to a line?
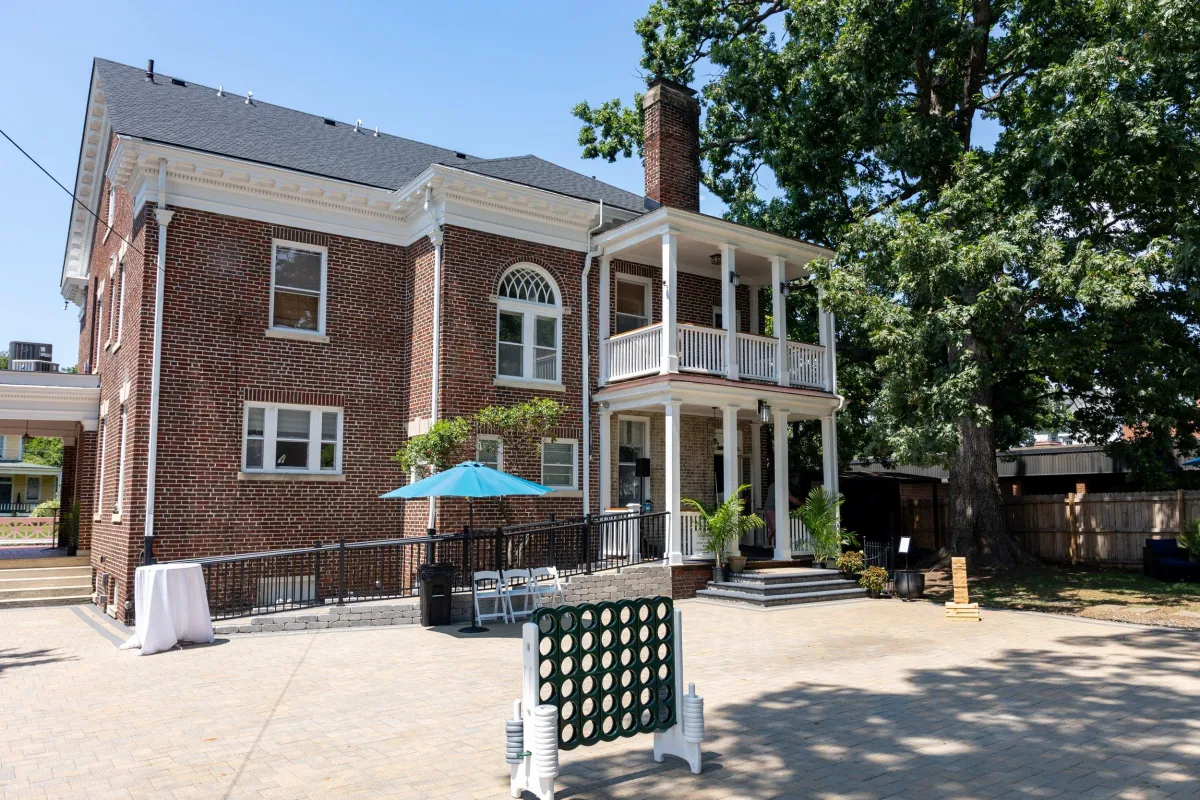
{"x":32,"y":365}
{"x":30,"y":351}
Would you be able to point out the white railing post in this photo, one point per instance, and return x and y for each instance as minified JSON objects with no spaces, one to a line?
{"x":605,"y":324}
{"x":672,"y":419}
{"x":670,"y":302}
{"x":779,"y":319}
{"x":783,"y":528}
{"x":729,"y":309}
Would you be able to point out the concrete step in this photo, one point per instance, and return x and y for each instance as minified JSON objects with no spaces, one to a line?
{"x":774,"y":589}
{"x":46,"y":572}
{"x":66,"y":599}
{"x":7,"y":564}
{"x":771,"y":601}
{"x":39,"y":591}
{"x":44,"y":581}
{"x":784,"y":576}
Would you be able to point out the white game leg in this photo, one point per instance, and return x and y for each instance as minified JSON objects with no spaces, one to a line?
{"x":683,"y":738}
{"x":537,"y":771}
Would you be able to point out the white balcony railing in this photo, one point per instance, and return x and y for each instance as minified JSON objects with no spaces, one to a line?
{"x":691,"y":547}
{"x":639,"y":352}
{"x":634,"y":353}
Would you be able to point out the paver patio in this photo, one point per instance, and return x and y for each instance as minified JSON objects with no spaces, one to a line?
{"x":866,"y":699}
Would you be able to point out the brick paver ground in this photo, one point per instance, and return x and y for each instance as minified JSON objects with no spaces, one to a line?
{"x":868,"y":699}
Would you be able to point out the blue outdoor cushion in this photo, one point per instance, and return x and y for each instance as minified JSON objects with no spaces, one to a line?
{"x":1161,"y":547}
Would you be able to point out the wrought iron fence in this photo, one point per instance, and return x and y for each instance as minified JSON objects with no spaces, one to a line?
{"x":879,"y":553}
{"x":284,"y":580}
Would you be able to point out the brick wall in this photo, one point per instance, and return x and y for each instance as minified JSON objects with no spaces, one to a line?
{"x":687,"y":579}
{"x":671,"y":155}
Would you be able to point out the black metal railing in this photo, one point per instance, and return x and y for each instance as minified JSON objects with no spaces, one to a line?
{"x":879,"y":553}
{"x":285,"y":580}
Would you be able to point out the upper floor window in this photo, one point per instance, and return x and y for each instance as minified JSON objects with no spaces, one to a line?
{"x":528,"y":325}
{"x":633,"y":304}
{"x":120,"y":306}
{"x":559,"y":464}
{"x":287,"y":438}
{"x":489,"y":451}
{"x":110,"y":214}
{"x":298,"y":286}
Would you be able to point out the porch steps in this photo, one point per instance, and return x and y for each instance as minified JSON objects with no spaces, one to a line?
{"x":772,"y":588}
{"x":45,"y":586}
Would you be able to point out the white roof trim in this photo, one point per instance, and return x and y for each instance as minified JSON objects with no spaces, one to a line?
{"x":93,"y":150}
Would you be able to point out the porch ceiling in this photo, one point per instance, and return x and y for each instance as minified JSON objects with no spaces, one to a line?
{"x":48,"y":403}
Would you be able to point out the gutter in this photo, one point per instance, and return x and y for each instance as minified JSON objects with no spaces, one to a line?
{"x":164,"y":219}
{"x":587,"y":367}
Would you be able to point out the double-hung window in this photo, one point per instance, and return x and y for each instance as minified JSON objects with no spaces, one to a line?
{"x":528,"y":326}
{"x":298,"y":277}
{"x":559,"y":465}
{"x":33,"y":490}
{"x":288,"y":438}
{"x":633,"y":304}
{"x":489,"y":451}
{"x":102,"y":437}
{"x":119,"y":504}
{"x":98,"y":327}
{"x":119,"y":308}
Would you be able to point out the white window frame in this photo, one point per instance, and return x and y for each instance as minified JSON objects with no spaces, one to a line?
{"x":110,"y":213}
{"x":530,"y":312}
{"x":120,"y":298}
{"x":491,"y":437}
{"x":98,"y":333}
{"x":574,"y":487}
{"x":312,"y":248}
{"x":103,"y":456}
{"x":35,"y":481}
{"x":270,"y":429}
{"x":717,"y":311}
{"x":645,"y":283}
{"x":120,"y":501}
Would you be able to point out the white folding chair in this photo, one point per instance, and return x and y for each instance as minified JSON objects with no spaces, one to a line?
{"x":494,"y":592}
{"x":546,"y":586}
{"x":517,"y":585}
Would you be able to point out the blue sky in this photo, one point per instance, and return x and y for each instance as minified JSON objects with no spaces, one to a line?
{"x":490,"y":79}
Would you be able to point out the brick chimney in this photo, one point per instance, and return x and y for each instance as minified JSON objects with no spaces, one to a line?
{"x":671,"y":153}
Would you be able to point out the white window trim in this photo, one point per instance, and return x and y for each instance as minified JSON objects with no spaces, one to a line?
{"x":103,"y":455}
{"x":120,"y":502}
{"x":530,"y":312}
{"x":312,"y":248}
{"x":717,"y":311}
{"x":33,"y":480}
{"x":121,"y":303}
{"x":491,"y":437}
{"x":645,"y":421}
{"x":646,"y":285}
{"x":109,"y":215}
{"x":97,"y":345}
{"x":270,"y":428}
{"x":574,"y":464}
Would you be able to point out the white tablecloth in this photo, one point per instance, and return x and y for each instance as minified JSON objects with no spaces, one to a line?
{"x":170,"y":606}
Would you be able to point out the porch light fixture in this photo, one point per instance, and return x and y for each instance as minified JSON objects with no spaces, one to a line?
{"x":787,"y":287}
{"x":764,"y":412}
{"x":735,"y":279}
{"x":715,"y":259}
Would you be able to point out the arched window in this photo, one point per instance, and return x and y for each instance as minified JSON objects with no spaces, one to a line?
{"x":528,"y":325}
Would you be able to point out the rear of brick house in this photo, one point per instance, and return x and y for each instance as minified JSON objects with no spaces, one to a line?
{"x":329,"y":292}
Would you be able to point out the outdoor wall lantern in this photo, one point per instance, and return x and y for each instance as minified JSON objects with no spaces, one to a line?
{"x":735,"y":279}
{"x":764,"y":412}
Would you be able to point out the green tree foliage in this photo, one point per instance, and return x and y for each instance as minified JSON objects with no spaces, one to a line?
{"x":725,"y":523}
{"x":981,"y":286}
{"x":43,"y":450}
{"x":3,"y":359}
{"x":439,"y":448}
{"x":522,"y":427}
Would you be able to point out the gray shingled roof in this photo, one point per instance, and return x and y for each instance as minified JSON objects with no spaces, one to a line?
{"x":196,"y":117}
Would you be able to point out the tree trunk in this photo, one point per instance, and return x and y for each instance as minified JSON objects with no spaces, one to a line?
{"x":978,"y":521}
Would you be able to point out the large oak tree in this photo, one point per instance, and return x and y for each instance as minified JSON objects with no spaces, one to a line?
{"x":1013,"y":193}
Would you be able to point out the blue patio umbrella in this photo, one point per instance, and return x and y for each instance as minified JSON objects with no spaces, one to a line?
{"x":469,"y":479}
{"x":1191,"y":462}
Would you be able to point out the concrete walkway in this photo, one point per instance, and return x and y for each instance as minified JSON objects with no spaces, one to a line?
{"x":864,"y":699}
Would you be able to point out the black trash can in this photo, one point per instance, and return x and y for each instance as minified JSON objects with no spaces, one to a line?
{"x":437,"y":585}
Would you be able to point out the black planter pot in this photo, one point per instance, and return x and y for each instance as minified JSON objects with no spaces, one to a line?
{"x":721,"y":574}
{"x":910,"y":583}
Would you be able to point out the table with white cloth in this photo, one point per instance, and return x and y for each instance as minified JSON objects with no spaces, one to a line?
{"x":170,"y":606}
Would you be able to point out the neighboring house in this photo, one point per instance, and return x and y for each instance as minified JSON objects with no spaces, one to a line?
{"x":328,"y":291}
{"x":23,"y":484}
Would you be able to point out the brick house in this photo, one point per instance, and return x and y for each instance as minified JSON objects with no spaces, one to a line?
{"x":286,"y":298}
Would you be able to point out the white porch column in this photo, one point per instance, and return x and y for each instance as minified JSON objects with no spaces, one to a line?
{"x":670,"y":302}
{"x":672,"y":483}
{"x":605,"y":460}
{"x":779,"y":316}
{"x":827,"y":331}
{"x":729,"y":460}
{"x":755,"y":326}
{"x":783,"y":525}
{"x":829,"y":460}
{"x":729,"y":309}
{"x":605,"y":324}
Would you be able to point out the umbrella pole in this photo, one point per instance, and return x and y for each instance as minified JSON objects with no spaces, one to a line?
{"x":474,"y":627}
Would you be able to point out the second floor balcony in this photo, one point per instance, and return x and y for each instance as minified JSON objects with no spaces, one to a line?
{"x":701,"y":349}
{"x":663,"y":275}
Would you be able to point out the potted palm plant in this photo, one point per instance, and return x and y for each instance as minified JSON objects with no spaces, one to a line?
{"x":723,"y":525}
{"x":819,"y":513}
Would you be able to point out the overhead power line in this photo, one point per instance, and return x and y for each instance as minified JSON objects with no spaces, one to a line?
{"x":69,"y":192}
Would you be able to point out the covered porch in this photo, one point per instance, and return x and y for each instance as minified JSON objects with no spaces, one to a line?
{"x":662,"y":439}
{"x":682,"y":292}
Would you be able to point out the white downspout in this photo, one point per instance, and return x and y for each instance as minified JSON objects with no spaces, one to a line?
{"x":587,"y":366}
{"x":435,"y":383}
{"x":164,"y":219}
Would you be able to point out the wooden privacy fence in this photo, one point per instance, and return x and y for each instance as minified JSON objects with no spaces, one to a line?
{"x":1102,"y":528}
